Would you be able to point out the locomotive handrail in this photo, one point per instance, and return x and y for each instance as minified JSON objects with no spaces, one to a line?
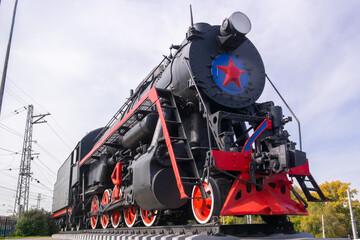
{"x":288,"y":107}
{"x":111,"y":131}
{"x":207,"y":166}
{"x":122,"y":109}
{"x":201,"y":99}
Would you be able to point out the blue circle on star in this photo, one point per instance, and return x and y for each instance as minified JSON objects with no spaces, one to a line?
{"x":229,"y":74}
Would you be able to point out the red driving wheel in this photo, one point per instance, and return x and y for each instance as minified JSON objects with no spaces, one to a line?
{"x":148,"y":217}
{"x":130,"y":216}
{"x":204,"y":208}
{"x":116,"y":214}
{"x":94,"y":209}
{"x":104,"y":202}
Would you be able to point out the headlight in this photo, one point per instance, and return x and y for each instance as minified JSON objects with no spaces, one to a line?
{"x":237,"y":23}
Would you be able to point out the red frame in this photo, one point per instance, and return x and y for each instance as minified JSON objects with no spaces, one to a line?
{"x":116,"y":174}
{"x":300,"y":170}
{"x":61,"y":212}
{"x":273,"y":199}
{"x":232,"y":161}
{"x":153,"y":96}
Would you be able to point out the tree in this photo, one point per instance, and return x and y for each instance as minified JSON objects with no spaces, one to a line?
{"x":336,"y":212}
{"x":35,"y":223}
{"x":337,"y":191}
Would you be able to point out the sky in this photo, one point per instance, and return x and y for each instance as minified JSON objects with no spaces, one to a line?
{"x":79,"y":59}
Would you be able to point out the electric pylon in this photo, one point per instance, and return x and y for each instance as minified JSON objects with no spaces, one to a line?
{"x":38,"y":201}
{"x":22,"y":192}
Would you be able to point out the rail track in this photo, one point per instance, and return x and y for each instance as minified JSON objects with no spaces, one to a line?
{"x":186,"y":232}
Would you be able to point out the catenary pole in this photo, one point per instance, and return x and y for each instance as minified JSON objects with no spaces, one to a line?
{"x":3,"y":78}
{"x":323,"y":225}
{"x":353,"y":223}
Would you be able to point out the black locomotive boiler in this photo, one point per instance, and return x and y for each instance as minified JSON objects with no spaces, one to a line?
{"x":191,"y":142}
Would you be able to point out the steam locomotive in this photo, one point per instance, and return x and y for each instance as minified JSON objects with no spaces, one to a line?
{"x":191,"y":142}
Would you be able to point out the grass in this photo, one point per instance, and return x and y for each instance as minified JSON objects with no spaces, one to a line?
{"x":16,"y":237}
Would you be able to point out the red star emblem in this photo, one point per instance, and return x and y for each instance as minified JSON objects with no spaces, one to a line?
{"x":232,"y":72}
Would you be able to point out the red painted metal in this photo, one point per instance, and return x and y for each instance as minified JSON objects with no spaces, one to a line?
{"x":116,"y":174}
{"x":232,"y":161}
{"x":273,"y":199}
{"x":61,"y":212}
{"x":300,"y":170}
{"x":154,"y":98}
{"x":116,"y":127}
{"x":170,"y":150}
{"x":202,"y":207}
{"x":130,"y":216}
{"x":105,"y":200}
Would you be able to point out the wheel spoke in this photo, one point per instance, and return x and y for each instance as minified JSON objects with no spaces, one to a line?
{"x":130,"y":216}
{"x":105,"y":200}
{"x":203,"y":208}
{"x":147,"y":219}
{"x":116,"y":214}
{"x":94,"y":209}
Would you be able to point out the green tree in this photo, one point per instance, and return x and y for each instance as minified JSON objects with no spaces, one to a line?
{"x":337,"y":191}
{"x":35,"y":223}
{"x":336,"y":212}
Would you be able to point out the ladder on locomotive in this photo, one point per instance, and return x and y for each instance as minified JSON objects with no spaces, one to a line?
{"x":308,"y":190}
{"x":177,"y":134}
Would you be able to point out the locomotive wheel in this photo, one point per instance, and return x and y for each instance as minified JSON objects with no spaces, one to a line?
{"x":116,"y":217}
{"x":94,"y":209}
{"x":205,"y":209}
{"x":130,"y":216}
{"x":149,"y":218}
{"x":104,"y":202}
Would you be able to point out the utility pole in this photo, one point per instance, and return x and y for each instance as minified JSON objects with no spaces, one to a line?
{"x":38,"y":201}
{"x":353,"y":223}
{"x":3,"y":78}
{"x":323,"y":225}
{"x":248,"y":219}
{"x":22,"y":192}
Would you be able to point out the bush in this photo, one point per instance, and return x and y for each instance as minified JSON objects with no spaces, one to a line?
{"x":35,"y":223}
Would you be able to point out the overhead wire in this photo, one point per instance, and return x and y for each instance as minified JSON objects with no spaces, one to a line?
{"x":45,"y":188}
{"x":41,"y":170}
{"x":17,"y":86}
{"x":10,"y":164}
{"x":58,"y":135}
{"x":71,"y":140}
{"x":48,"y":153}
{"x":7,"y":150}
{"x":8,"y":175}
{"x":14,"y":95}
{"x":46,"y":166}
{"x":9,"y":169}
{"x":13,"y":113}
{"x":39,"y":182}
{"x":6,"y":188}
{"x":9,"y":129}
